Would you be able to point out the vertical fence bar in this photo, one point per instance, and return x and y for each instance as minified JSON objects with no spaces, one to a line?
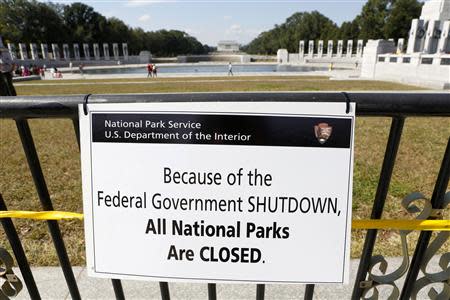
{"x":19,"y":253}
{"x":260,"y":291}
{"x":212,"y":291}
{"x":118,"y":289}
{"x":380,"y":198}
{"x":437,"y":202}
{"x":44,"y":196}
{"x":164,"y":288}
{"x":309,"y":291}
{"x":76,"y":127}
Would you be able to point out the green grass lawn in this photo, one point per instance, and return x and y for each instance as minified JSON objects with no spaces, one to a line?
{"x":419,"y":158}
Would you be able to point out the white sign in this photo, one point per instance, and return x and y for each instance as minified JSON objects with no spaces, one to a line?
{"x":218,"y":192}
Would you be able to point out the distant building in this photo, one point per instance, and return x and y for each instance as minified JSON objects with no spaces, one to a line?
{"x":228,"y":46}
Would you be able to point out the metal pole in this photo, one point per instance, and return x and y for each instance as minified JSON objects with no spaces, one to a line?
{"x":118,"y":289}
{"x":260,"y":291}
{"x":44,"y":197}
{"x":380,"y":198}
{"x":309,"y":291}
{"x":212,"y":292}
{"x":164,"y":288}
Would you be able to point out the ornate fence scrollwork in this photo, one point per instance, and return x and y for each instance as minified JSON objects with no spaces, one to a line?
{"x":10,"y":283}
{"x":375,"y":281}
{"x":442,"y":277}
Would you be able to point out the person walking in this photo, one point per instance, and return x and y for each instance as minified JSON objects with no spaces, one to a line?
{"x":230,"y":69}
{"x":149,"y":70}
{"x":155,"y":71}
{"x":6,"y":68}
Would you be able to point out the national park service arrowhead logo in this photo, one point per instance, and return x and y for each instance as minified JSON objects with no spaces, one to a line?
{"x":323,"y":132}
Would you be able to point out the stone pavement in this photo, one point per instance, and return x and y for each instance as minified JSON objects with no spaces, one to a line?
{"x":51,"y":284}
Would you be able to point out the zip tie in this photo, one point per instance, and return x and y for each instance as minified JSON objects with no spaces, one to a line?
{"x":85,"y":103}
{"x":347,"y":102}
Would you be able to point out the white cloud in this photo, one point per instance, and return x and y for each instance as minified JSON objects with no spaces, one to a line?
{"x":227,"y":17}
{"x":144,"y":18}
{"x":234,"y":29}
{"x":137,"y":3}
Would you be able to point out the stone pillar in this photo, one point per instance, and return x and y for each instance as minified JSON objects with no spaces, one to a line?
{"x":282,"y":56}
{"x":444,"y":41}
{"x":34,"y":51}
{"x":105,"y":51}
{"x":44,"y":51}
{"x":349,"y":48}
{"x":359,"y":48}
{"x":320,"y":49}
{"x":23,"y":51}
{"x":87,"y":52}
{"x":125,"y":51}
{"x":400,"y":46}
{"x":432,"y":37}
{"x":311,"y":49}
{"x":12,"y":50}
{"x":301,"y":50}
{"x":76,"y":52}
{"x":340,"y":47}
{"x":96,"y":51}
{"x":330,"y":48}
{"x":55,"y":49}
{"x":416,"y":36}
{"x":66,"y":52}
{"x":116,"y":51}
{"x":371,"y":51}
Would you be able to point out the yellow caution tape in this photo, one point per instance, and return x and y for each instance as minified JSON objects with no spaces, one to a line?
{"x":424,"y":225}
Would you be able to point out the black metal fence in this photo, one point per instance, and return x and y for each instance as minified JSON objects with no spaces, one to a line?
{"x":397,"y":106}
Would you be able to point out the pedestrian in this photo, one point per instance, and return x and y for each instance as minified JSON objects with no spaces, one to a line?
{"x":81,"y":67}
{"x":155,"y":71}
{"x":230,"y":69}
{"x":149,"y":70}
{"x":6,"y":68}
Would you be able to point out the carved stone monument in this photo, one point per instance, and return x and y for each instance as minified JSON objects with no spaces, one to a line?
{"x":359,"y":48}
{"x":55,"y":49}
{"x":12,"y":50}
{"x":76,"y":51}
{"x":320,"y":49}
{"x":23,"y":51}
{"x":400,"y":46}
{"x":349,"y":48}
{"x":34,"y":51}
{"x":44,"y":51}
{"x":444,"y":41}
{"x":96,"y":51}
{"x":282,"y":56}
{"x":125,"y":51}
{"x":301,"y":49}
{"x":87,"y":52}
{"x":340,"y":48}
{"x":330,"y":48}
{"x":116,"y":51}
{"x":106,"y":51}
{"x":311,"y":49}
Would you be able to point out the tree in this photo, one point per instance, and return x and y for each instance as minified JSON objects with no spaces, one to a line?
{"x":84,"y":23}
{"x":398,"y":22}
{"x":373,"y":18}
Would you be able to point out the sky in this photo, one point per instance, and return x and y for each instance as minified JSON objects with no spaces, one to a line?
{"x":214,"y":20}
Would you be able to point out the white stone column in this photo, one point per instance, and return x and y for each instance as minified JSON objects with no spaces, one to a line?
{"x":400,"y":46}
{"x":76,"y":52}
{"x":416,"y":36}
{"x":444,"y":41}
{"x":105,"y":51}
{"x":311,"y":49}
{"x":282,"y":56}
{"x":116,"y":51}
{"x":44,"y":51}
{"x":320,"y":49}
{"x":12,"y":50}
{"x":349,"y":48}
{"x":23,"y":51}
{"x":66,"y":52}
{"x":330,"y":48}
{"x":301,"y":49}
{"x":340,"y":47}
{"x":87,"y":52}
{"x":371,"y":51}
{"x":96,"y":51}
{"x":125,"y":51}
{"x":34,"y":51}
{"x":55,"y":49}
{"x":432,"y":37}
{"x":359,"y":48}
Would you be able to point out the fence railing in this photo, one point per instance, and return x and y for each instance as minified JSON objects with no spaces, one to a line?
{"x":397,"y":106}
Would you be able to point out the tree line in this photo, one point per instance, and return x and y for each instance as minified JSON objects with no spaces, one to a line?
{"x":379,"y":19}
{"x":30,"y":21}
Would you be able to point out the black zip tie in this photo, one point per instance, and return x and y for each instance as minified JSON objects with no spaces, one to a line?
{"x":347,"y":102}
{"x":85,"y":103}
